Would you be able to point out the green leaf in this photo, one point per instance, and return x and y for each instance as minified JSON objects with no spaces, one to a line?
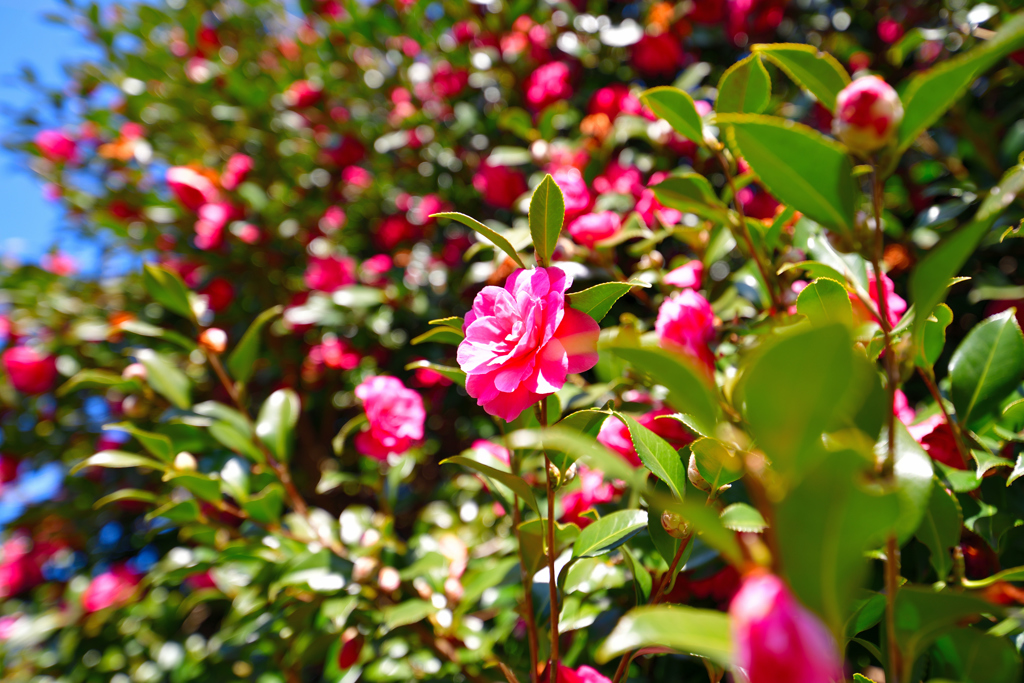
{"x":931,"y":93}
{"x":515,"y":483}
{"x":578,"y":446}
{"x":219,"y":411}
{"x":972,"y":656}
{"x":819,"y":73}
{"x":242,"y":360}
{"x":490,"y":235}
{"x":815,"y":269}
{"x":456,"y":375}
{"x":118,"y":460}
{"x":200,"y":485}
{"x":657,"y":455}
{"x":596,"y":301}
{"x":405,"y":613}
{"x":165,"y":378}
{"x":608,"y":533}
{"x":715,"y":463}
{"x":167,"y":289}
{"x":642,"y":580}
{"x":691,"y":193}
{"x":676,"y":107}
{"x":934,"y":340}
{"x":744,"y":88}
{"x":96,"y":379}
{"x":798,"y":165}
{"x":939,"y":530}
{"x":179,"y":513}
{"x":547,"y":213}
{"x":146,"y":330}
{"x":774,"y":233}
{"x":706,"y":524}
{"x":440,"y":335}
{"x":825,"y":301}
{"x":742,"y":517}
{"x":913,"y":475}
{"x":276,"y":422}
{"x":986,"y":367}
{"x":241,"y":442}
{"x":158,"y":445}
{"x":533,"y":535}
{"x":126,"y":494}
{"x":265,"y":507}
{"x":455,"y":322}
{"x":694,"y":631}
{"x":930,"y":279}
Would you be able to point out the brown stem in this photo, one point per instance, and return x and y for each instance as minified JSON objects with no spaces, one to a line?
{"x":667,"y":580}
{"x":623,"y":667}
{"x":745,"y":234}
{"x":958,"y":437}
{"x":553,"y":578}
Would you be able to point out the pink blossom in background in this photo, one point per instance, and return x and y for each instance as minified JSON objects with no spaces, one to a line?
{"x":613,"y":100}
{"x":448,"y":81}
{"x":686,"y":323}
{"x":219,"y":293}
{"x":30,"y":371}
{"x":591,"y":228}
{"x":213,"y":218}
{"x":424,"y":207}
{"x":583,"y":674}
{"x":937,"y":439}
{"x":235,"y":171}
{"x":896,"y":305}
{"x":7,"y":627}
{"x":889,"y":30}
{"x":346,"y":152}
{"x":522,"y":340}
{"x":56,"y":146}
{"x":593,"y":490}
{"x":59,"y":263}
{"x":868,"y":113}
{"x":548,"y":84}
{"x":620,"y":179}
{"x":335,"y":354}
{"x":20,"y":567}
{"x":757,"y":203}
{"x":902,"y":410}
{"x":686,"y":276}
{"x":333,"y":220}
{"x":615,"y":435}
{"x":113,"y":588}
{"x":247,"y":232}
{"x":649,"y":207}
{"x":574,"y":190}
{"x":500,"y":186}
{"x":777,"y":639}
{"x":376,"y":266}
{"x":660,"y":55}
{"x":192,"y":189}
{"x":357,"y":176}
{"x":395,"y":415}
{"x":302,"y":94}
{"x":425,"y":377}
{"x":395,"y":229}
{"x":671,"y":431}
{"x":496,"y":451}
{"x":330,"y":273}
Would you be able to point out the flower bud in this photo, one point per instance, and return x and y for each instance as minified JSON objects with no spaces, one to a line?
{"x":185,"y":461}
{"x":674,"y":525}
{"x":214,"y":340}
{"x":694,"y":475}
{"x":134,"y":371}
{"x":777,"y":639}
{"x":868,"y":113}
{"x":351,"y":648}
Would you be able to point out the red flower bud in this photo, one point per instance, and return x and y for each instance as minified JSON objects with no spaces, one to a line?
{"x":868,"y":113}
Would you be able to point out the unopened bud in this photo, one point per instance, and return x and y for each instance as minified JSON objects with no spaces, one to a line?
{"x":214,"y":340}
{"x":134,"y":371}
{"x":868,"y":114}
{"x":694,"y":475}
{"x":351,"y":648}
{"x":185,"y":461}
{"x":674,"y":525}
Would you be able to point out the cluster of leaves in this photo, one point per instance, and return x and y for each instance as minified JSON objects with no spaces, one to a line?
{"x":267,"y":546}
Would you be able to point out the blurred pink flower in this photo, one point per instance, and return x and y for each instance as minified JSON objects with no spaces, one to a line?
{"x":936,"y":438}
{"x":593,"y":490}
{"x":686,"y":323}
{"x":649,"y":207}
{"x":235,"y":171}
{"x":395,"y":415}
{"x":59,"y":263}
{"x":113,"y":588}
{"x":56,"y":146}
{"x":522,"y":340}
{"x":330,"y":273}
{"x":591,"y":228}
{"x":620,"y":179}
{"x":896,"y":305}
{"x":500,"y":186}
{"x":660,"y":55}
{"x":548,"y":84}
{"x":574,"y":189}
{"x":686,"y":276}
{"x":615,"y":435}
{"x":613,"y":100}
{"x":302,"y":94}
{"x":193,"y":189}
{"x":213,"y":218}
{"x":335,"y":354}
{"x":30,"y":371}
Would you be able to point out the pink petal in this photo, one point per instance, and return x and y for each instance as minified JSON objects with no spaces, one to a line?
{"x":551,"y":370}
{"x":578,"y":335}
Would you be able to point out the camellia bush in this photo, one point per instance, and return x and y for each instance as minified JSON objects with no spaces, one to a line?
{"x":496,"y":341}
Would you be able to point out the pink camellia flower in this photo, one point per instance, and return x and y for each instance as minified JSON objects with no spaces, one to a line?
{"x":574,"y":190}
{"x":936,"y":438}
{"x":247,"y":232}
{"x":686,"y":323}
{"x":591,"y":228}
{"x":395,"y":229}
{"x":31,"y":371}
{"x":757,"y":203}
{"x":193,"y":189}
{"x":777,"y":639}
{"x":334,"y":353}
{"x":59,"y":263}
{"x":889,"y":30}
{"x":498,"y":452}
{"x":113,"y":588}
{"x":686,"y":276}
{"x":522,"y":340}
{"x":548,"y":84}
{"x":650,"y":208}
{"x":219,"y":293}
{"x":302,"y":94}
{"x":613,"y":100}
{"x":868,"y":113}
{"x":659,"y":55}
{"x":357,"y":176}
{"x":333,"y":220}
{"x":615,"y":435}
{"x":902,"y":410}
{"x":237,"y":168}
{"x":395,"y":414}
{"x":56,"y":146}
{"x":330,"y":273}
{"x":620,"y":179}
{"x":500,"y":186}
{"x":583,"y":674}
{"x":593,"y":490}
{"x":8,"y":627}
{"x":896,"y":306}
{"x":213,"y":218}
{"x":348,"y":151}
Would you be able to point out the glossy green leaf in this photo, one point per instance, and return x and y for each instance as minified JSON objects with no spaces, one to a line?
{"x":690,"y":193}
{"x":144,"y":329}
{"x":167,"y":289}
{"x":276,"y":422}
{"x":158,"y":445}
{"x":199,"y":485}
{"x":533,"y":535}
{"x":118,"y":460}
{"x":742,"y":517}
{"x":744,"y":88}
{"x":642,"y":580}
{"x":934,"y":340}
{"x":578,"y":446}
{"x":939,"y":530}
{"x":596,"y":301}
{"x":798,"y":165}
{"x":913,"y":475}
{"x":825,"y":301}
{"x":241,"y":442}
{"x":819,"y":73}
{"x":972,"y":656}
{"x":439,"y":335}
{"x":242,"y":360}
{"x":178,"y":513}
{"x":608,"y":533}
{"x":165,"y":378}
{"x":265,"y":507}
{"x":657,"y":456}
{"x":986,"y":367}
{"x":137,"y":495}
{"x":716,"y":464}
{"x":694,"y":631}
{"x":515,"y":483}
{"x":490,"y":235}
{"x":547,"y":213}
{"x":96,"y":379}
{"x":408,"y":612}
{"x":676,"y":107}
{"x":454,"y":374}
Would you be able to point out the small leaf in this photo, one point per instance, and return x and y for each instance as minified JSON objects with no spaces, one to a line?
{"x":596,"y":301}
{"x":694,"y":631}
{"x":178,"y":513}
{"x":690,"y":193}
{"x":97,"y":379}
{"x":515,"y":483}
{"x":456,"y":375}
{"x":265,"y":507}
{"x":158,"y":445}
{"x":533,"y":535}
{"x":242,"y":360}
{"x":608,"y":533}
{"x":939,"y":530}
{"x":276,"y":422}
{"x":986,"y":367}
{"x":825,"y":301}
{"x":819,"y":73}
{"x":798,"y":165}
{"x":547,"y":213}
{"x":676,"y":107}
{"x":742,"y":517}
{"x":118,"y":460}
{"x":126,"y":494}
{"x":716,"y":463}
{"x":167,"y":289}
{"x":165,"y":378}
{"x":199,"y":485}
{"x":408,"y":612}
{"x":231,"y":437}
{"x":657,"y":455}
{"x":934,"y":340}
{"x":744,"y":88}
{"x":440,"y":335}
{"x":490,"y":235}
{"x":642,"y":580}
{"x":455,"y":322}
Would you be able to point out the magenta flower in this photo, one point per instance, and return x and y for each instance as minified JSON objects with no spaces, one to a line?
{"x":777,"y":639}
{"x":522,"y":340}
{"x":56,"y":146}
{"x":499,"y":186}
{"x":574,"y":190}
{"x":235,"y":171}
{"x":548,"y":84}
{"x":591,"y":228}
{"x":395,"y":414}
{"x":896,"y":305}
{"x":30,"y":371}
{"x":330,"y":273}
{"x":868,"y":112}
{"x":113,"y":588}
{"x":686,"y":323}
{"x":686,"y":276}
{"x":193,"y":189}
{"x":593,"y":490}
{"x":615,"y":435}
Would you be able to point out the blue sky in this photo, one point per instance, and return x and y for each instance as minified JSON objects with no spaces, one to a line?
{"x":29,"y":224}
